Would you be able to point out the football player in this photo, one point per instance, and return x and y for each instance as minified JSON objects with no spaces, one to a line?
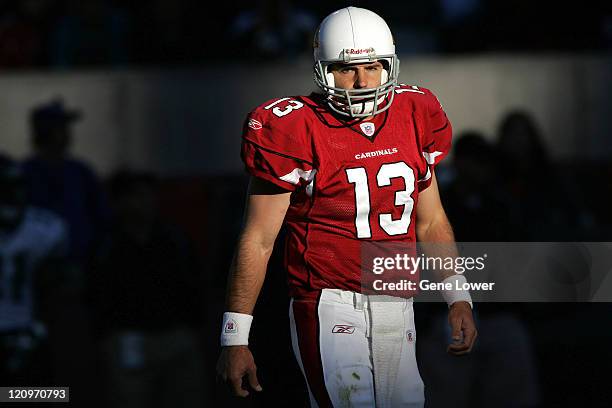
{"x":351,"y":164}
{"x":33,"y":243}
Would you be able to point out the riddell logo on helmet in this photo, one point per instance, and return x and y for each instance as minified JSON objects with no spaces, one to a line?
{"x":354,"y":51}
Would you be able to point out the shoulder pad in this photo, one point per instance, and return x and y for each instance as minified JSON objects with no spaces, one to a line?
{"x":280,"y":109}
{"x":418,"y":95}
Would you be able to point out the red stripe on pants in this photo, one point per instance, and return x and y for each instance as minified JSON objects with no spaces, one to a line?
{"x":305,"y":312}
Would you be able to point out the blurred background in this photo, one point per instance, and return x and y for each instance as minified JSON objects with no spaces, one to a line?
{"x":123,"y":189}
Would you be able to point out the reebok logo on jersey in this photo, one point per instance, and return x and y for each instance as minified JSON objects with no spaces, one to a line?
{"x":376,"y":153}
{"x":343,"y":329}
{"x":255,"y":124}
{"x":231,"y":327}
{"x":368,"y":128}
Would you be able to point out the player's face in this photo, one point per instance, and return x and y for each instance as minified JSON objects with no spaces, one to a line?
{"x":357,"y":76}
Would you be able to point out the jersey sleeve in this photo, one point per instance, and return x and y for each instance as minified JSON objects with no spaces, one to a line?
{"x":437,"y":136}
{"x":277,"y":149}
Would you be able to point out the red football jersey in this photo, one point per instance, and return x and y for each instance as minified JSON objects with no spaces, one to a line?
{"x":352,"y":181}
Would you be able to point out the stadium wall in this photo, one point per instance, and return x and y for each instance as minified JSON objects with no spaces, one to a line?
{"x":186,"y":121}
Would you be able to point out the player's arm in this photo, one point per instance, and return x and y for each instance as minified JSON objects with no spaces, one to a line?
{"x":264,"y":214}
{"x":432,"y":226}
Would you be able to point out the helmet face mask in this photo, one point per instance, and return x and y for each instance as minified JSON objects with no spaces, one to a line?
{"x":351,"y":36}
{"x":358,"y":103}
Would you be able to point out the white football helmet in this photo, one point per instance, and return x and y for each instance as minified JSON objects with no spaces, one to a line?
{"x":355,"y":35}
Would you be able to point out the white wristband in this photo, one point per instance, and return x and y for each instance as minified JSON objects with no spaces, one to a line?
{"x":454,"y":294}
{"x":235,"y":329}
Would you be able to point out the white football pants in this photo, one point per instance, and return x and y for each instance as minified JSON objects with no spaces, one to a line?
{"x":356,"y":350}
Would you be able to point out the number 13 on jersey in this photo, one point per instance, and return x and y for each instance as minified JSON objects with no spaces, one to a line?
{"x":358,"y":176}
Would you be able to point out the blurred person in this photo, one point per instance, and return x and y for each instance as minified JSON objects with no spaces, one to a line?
{"x":549,"y":211}
{"x":351,"y":165}
{"x":478,"y":210}
{"x":61,"y":183}
{"x":550,"y":208}
{"x":476,"y":205}
{"x":68,"y":187}
{"x":33,"y":244}
{"x":145,"y":292}
{"x":501,"y":372}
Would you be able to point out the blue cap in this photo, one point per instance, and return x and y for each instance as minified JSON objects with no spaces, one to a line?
{"x":54,"y":111}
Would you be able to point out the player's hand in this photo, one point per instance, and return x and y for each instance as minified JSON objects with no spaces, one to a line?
{"x":234,"y":363}
{"x":463,"y":328}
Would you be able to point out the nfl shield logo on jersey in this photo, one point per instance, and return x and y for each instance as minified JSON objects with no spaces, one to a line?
{"x":368,"y":128}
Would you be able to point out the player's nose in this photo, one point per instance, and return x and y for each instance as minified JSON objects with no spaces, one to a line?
{"x":360,"y":80}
